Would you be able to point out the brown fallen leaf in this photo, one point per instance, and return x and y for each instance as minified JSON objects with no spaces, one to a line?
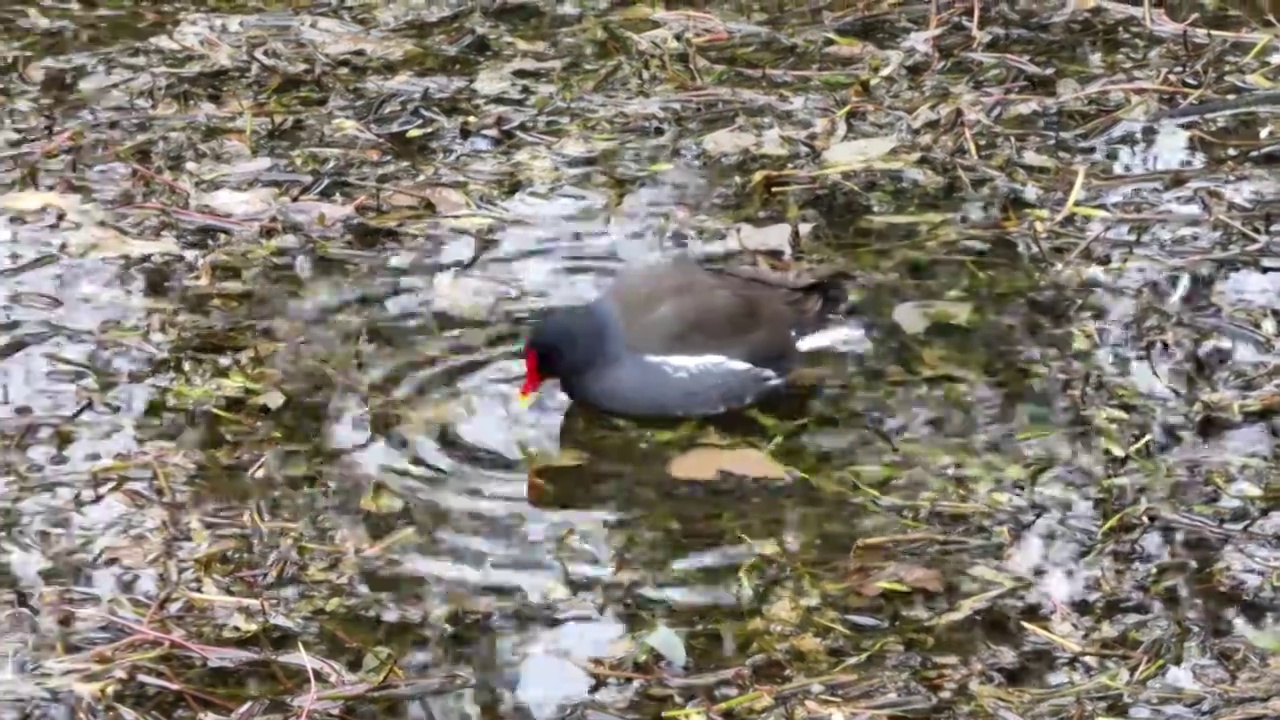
{"x":811,"y":375}
{"x":537,"y":489}
{"x":381,"y":500}
{"x":898,"y":577}
{"x":706,"y":463}
{"x":565,"y":457}
{"x":23,"y":201}
{"x":783,"y":610}
{"x":446,"y":200}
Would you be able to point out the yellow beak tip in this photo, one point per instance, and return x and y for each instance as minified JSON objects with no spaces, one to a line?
{"x":526,"y":400}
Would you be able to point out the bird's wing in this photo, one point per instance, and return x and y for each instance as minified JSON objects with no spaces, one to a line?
{"x":702,"y":319}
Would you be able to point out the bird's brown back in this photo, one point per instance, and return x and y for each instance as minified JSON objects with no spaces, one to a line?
{"x":747,"y":313}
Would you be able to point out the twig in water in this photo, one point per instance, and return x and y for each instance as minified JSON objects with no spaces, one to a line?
{"x":311,"y":677}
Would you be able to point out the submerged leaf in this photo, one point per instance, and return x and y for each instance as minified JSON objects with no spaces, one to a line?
{"x":916,"y":317}
{"x":1266,"y":638}
{"x":903,"y":578}
{"x":272,"y":399}
{"x":853,"y":153}
{"x":22,"y":201}
{"x":100,"y":241}
{"x":253,"y":203}
{"x":921,"y":218}
{"x":706,"y":463}
{"x":447,"y":200}
{"x":381,"y":500}
{"x":728,"y":142}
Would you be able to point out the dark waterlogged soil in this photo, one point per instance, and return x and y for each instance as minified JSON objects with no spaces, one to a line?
{"x":264,"y":274}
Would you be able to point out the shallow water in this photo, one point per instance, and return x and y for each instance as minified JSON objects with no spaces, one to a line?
{"x":197,"y":360}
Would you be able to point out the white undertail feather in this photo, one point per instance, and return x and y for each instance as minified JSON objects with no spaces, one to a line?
{"x":842,"y":338}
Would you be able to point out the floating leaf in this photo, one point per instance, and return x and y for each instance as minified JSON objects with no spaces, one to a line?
{"x":668,"y":644}
{"x":768,"y":239}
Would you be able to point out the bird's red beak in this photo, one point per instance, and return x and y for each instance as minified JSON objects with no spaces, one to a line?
{"x":532,"y":378}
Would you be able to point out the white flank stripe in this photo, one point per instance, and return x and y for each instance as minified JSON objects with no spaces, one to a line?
{"x":690,"y":365}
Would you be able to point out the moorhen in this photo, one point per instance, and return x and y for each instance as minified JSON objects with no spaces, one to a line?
{"x":676,"y":339}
